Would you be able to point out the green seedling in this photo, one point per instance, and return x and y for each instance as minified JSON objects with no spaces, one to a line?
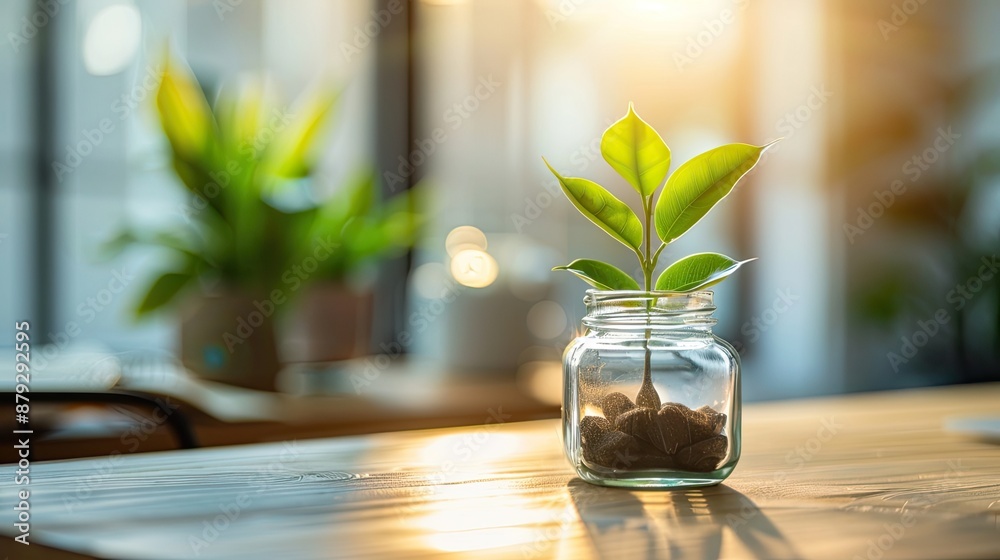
{"x":637,"y":152}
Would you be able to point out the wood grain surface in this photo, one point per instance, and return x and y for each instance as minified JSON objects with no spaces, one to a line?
{"x":869,"y":476}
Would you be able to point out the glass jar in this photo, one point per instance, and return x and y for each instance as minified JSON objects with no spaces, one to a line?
{"x":651,"y":396}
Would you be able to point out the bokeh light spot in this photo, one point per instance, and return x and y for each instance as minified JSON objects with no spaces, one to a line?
{"x":474,"y":268}
{"x":547,"y":320}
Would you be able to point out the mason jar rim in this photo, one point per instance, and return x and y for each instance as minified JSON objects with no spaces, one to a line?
{"x":702,"y":298}
{"x":631,"y":309}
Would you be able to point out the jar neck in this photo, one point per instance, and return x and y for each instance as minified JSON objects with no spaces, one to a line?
{"x":639,"y":311}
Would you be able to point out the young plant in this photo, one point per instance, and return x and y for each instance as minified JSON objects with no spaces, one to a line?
{"x":640,"y":156}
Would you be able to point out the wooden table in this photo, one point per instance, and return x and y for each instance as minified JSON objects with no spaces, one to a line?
{"x":867,"y":476}
{"x":320,"y":402}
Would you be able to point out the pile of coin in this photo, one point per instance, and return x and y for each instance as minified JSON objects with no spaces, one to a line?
{"x":671,"y":437}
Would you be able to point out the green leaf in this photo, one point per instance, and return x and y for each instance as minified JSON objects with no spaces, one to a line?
{"x":163,"y":290}
{"x":361,"y":193}
{"x":600,"y":275}
{"x":195,"y":176}
{"x":115,"y":246}
{"x":401,"y":218}
{"x":293,"y":149}
{"x":636,"y":152}
{"x":602,"y":208}
{"x":184,"y":113}
{"x":698,"y":185}
{"x":240,"y":112}
{"x":352,"y":201}
{"x":697,"y":272}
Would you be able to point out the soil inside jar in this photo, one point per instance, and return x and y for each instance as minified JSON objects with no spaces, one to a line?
{"x":638,"y":437}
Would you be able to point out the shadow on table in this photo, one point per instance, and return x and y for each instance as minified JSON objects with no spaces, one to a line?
{"x":674,"y":524}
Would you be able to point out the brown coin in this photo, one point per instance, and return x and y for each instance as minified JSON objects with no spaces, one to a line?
{"x":639,"y":423}
{"x":707,"y":423}
{"x":593,"y":427}
{"x":613,"y":450}
{"x":614,"y":404}
{"x":674,"y":422}
{"x":703,"y":456}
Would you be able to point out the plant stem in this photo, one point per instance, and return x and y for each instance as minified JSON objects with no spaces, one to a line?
{"x":647,"y":395}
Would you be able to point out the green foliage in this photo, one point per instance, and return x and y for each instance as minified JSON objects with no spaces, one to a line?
{"x":698,"y":185}
{"x":639,"y":155}
{"x":164,"y":289}
{"x":600,"y":275}
{"x":697,"y":272}
{"x":601,"y":207}
{"x":232,"y":157}
{"x":636,"y":152}
{"x":291,"y":154}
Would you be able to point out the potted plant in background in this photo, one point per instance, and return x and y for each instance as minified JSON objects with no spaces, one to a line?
{"x":332,"y":319}
{"x":243,"y":254}
{"x":652,"y":397}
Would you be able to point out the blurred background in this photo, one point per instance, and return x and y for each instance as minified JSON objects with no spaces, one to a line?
{"x":414,"y":130}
